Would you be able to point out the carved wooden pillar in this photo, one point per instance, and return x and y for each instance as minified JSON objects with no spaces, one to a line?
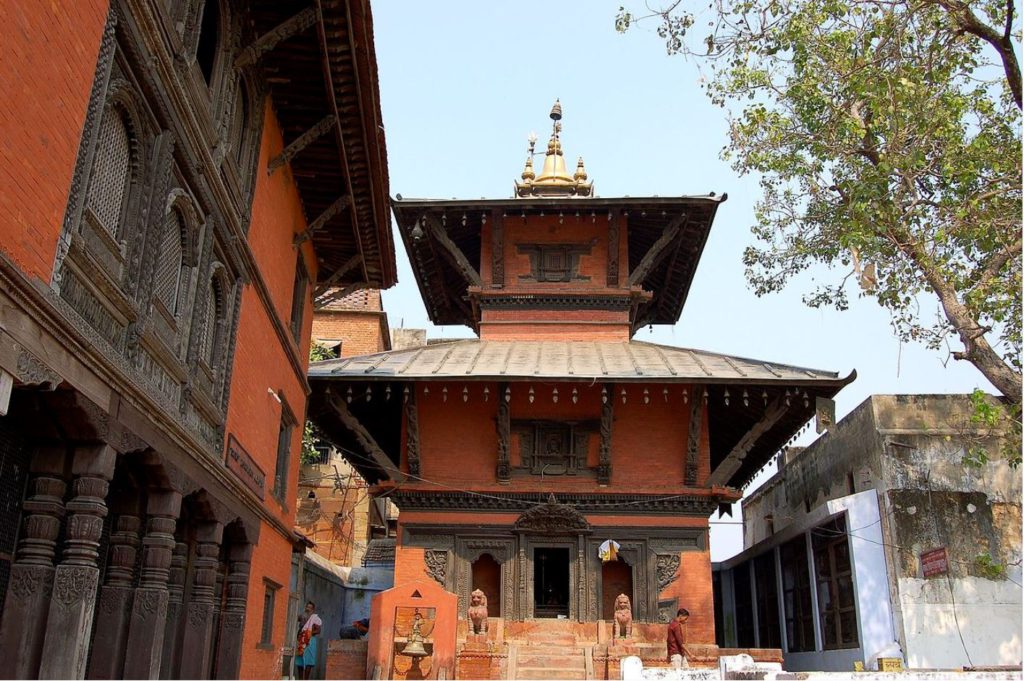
{"x":109,"y":643}
{"x":497,"y":248}
{"x":72,"y":605}
{"x":503,"y":470}
{"x":232,"y":619}
{"x":195,"y":663}
{"x":412,"y":434}
{"x":146,"y":638}
{"x":171,"y":644}
{"x":521,"y":569}
{"x":613,"y":248}
{"x":23,"y":626}
{"x":693,"y":442}
{"x":604,"y":463}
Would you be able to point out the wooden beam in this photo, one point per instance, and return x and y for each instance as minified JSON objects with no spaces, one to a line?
{"x":301,"y":142}
{"x":364,"y":438}
{"x":269,"y":40}
{"x":657,"y":251}
{"x":451,"y":251}
{"x":731,"y":463}
{"x":325,"y":286}
{"x":319,"y":223}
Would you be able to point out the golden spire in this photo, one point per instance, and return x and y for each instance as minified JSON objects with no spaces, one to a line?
{"x":554,"y":178}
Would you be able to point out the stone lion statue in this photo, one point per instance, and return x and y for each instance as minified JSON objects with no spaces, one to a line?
{"x":478,"y":611}
{"x":623,"y":625}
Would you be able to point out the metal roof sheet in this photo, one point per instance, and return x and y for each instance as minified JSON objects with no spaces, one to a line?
{"x":621,"y":361}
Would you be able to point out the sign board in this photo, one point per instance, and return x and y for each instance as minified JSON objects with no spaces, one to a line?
{"x":241,"y":464}
{"x":934,"y":562}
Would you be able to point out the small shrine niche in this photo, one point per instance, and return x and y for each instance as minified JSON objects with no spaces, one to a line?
{"x":553,"y":448}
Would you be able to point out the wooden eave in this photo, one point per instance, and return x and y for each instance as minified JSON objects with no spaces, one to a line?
{"x":444,"y":287}
{"x":327,"y":68}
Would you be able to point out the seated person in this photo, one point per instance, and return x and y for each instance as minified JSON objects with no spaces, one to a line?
{"x":356,"y":630}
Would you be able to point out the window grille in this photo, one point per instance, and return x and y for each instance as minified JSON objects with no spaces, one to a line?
{"x":237,"y":132}
{"x":169,"y":266}
{"x":211,"y":323}
{"x":269,"y":598}
{"x":111,"y":172}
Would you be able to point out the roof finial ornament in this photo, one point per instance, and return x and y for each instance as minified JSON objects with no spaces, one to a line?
{"x":554,"y":179}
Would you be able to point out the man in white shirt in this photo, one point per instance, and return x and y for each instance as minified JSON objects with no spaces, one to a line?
{"x":306,"y":650}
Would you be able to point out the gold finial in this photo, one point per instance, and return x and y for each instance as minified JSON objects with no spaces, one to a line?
{"x":581,"y":172}
{"x":554,"y":178}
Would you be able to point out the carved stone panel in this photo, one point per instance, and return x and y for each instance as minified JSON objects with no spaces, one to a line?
{"x":667,"y":568}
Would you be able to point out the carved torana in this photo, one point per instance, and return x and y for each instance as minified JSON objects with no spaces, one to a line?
{"x":552,"y":518}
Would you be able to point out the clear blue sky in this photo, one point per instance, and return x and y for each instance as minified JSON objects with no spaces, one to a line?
{"x":462,"y":85}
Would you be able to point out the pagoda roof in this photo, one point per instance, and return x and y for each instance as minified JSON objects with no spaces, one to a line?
{"x":443,"y":284}
{"x":629,"y":361}
{"x":754,"y":407}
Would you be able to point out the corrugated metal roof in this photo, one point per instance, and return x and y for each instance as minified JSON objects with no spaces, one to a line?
{"x":630,"y":361}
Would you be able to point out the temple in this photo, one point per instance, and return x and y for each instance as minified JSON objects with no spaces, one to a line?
{"x":515,"y":456}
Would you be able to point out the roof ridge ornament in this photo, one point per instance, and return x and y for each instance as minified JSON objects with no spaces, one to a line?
{"x":554,"y":179}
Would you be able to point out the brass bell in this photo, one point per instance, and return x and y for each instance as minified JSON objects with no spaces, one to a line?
{"x":415,"y":649}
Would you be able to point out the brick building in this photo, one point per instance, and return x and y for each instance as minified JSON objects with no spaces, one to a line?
{"x":180,"y":180}
{"x":514,"y":456}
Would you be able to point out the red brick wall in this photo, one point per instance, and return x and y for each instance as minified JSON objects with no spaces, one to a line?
{"x":48,"y":55}
{"x":648,"y":440}
{"x":360,"y":332}
{"x":261,"y":363}
{"x":346,"y":660}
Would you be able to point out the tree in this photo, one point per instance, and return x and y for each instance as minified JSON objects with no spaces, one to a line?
{"x":310,"y":434}
{"x":886,"y":134}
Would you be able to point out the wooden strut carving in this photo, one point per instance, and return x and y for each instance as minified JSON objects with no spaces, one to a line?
{"x":604,"y":464}
{"x":667,"y":569}
{"x":301,"y":142}
{"x":268,"y":41}
{"x":503,"y":470}
{"x":412,"y":434}
{"x":322,"y":220}
{"x":657,"y":251}
{"x":693,"y":441}
{"x":452,"y":252}
{"x":497,"y":249}
{"x":613,"y":249}
{"x":324,"y":286}
{"x":436,"y":564}
{"x":366,"y":440}
{"x":734,"y":459}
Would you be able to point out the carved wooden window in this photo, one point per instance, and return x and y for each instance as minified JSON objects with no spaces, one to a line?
{"x":270,"y":590}
{"x":169,"y":279}
{"x":213,"y":322}
{"x":209,"y":40}
{"x":239,"y":122}
{"x":554,"y":262}
{"x":284,"y":446}
{"x":299,"y":297}
{"x":552,"y":448}
{"x":111,"y":172}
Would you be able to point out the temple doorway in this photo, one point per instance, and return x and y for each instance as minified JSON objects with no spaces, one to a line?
{"x":616,"y":578}
{"x":551,"y":582}
{"x":487,"y":578}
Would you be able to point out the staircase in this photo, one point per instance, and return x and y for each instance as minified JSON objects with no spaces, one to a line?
{"x":552,"y":652}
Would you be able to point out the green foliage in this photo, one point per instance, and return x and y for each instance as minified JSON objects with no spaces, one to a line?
{"x":310,"y":434}
{"x":886,"y":136}
{"x":988,"y":568}
{"x":991,"y":420}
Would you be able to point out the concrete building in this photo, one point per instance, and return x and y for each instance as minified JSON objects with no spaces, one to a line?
{"x":179,"y":181}
{"x":877,"y":541}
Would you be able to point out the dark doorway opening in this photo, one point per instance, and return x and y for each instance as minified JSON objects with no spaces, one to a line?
{"x":487,"y":578}
{"x":616,"y":578}
{"x":550,"y":582}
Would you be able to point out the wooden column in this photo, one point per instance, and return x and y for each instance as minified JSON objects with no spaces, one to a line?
{"x":109,"y":644}
{"x":76,"y":578}
{"x":170,"y":660}
{"x":195,"y":662}
{"x":232,"y":620}
{"x":604,"y":462}
{"x":149,"y":608}
{"x":497,"y":248}
{"x":27,"y":604}
{"x":614,"y":218}
{"x":503,"y":470}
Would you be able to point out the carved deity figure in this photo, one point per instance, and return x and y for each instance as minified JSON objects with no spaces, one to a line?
{"x":478,"y":611}
{"x":623,"y":624}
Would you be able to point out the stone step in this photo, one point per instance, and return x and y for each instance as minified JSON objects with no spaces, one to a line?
{"x":550,"y":673}
{"x":549,"y":641}
{"x":528,"y":659}
{"x":545,"y":649}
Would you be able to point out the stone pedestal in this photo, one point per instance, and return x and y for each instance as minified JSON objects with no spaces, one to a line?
{"x":149,"y":609}
{"x":70,"y":617}
{"x":108,"y":647}
{"x":23,"y":626}
{"x":195,"y":663}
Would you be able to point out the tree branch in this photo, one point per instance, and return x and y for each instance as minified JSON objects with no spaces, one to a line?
{"x":1003,"y":44}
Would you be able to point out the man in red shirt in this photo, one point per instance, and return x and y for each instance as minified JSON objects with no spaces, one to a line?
{"x":676,"y":640}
